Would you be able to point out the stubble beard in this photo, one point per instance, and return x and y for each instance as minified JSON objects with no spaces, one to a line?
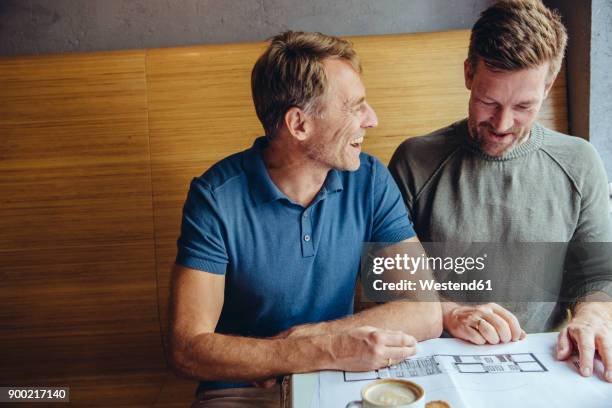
{"x":477,"y":136}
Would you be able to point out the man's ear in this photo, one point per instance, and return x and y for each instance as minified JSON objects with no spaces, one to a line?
{"x":468,"y":74}
{"x":548,"y":86}
{"x":296,"y":123}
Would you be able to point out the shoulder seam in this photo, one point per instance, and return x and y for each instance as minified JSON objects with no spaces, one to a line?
{"x":212,"y":188}
{"x":227,"y":181}
{"x":434,"y":173}
{"x":569,"y":176}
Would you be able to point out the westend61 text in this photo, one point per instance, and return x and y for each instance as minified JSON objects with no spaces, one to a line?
{"x":402,"y":285}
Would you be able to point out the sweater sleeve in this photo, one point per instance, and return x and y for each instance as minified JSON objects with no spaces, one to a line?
{"x":589,"y":260}
{"x":401,"y":172}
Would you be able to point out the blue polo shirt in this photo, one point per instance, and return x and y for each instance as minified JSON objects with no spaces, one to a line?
{"x":285,"y":264}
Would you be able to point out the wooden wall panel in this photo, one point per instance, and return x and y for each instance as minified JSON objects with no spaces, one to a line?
{"x":554,"y":110}
{"x":77,"y":277}
{"x":200,"y":110}
{"x":414,"y":83}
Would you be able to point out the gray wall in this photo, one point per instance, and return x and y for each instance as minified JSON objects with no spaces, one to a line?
{"x":55,"y":26}
{"x":589,"y":58}
{"x":600,"y":126}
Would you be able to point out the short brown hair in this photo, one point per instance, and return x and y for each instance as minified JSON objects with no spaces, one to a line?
{"x":516,"y":34}
{"x":290,"y":73}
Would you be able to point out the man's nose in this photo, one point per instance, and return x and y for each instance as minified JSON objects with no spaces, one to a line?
{"x":370,"y":120}
{"x":502,"y":120}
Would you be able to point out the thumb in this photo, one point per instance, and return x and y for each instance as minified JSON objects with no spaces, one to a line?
{"x":564,"y":345}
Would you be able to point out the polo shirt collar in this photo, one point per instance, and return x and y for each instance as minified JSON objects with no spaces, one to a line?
{"x":261,"y":186}
{"x":333,"y":182}
{"x":263,"y":189}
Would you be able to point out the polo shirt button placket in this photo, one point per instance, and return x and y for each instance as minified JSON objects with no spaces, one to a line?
{"x":307,"y":247}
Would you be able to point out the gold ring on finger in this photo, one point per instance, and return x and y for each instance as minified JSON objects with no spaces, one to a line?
{"x":480,"y":320}
{"x":389,"y":361}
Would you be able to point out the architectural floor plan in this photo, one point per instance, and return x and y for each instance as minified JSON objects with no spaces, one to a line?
{"x":470,"y":376}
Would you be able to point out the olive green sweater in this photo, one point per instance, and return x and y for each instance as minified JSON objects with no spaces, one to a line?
{"x":551,"y":188}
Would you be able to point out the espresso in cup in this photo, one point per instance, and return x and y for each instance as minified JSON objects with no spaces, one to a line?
{"x":391,"y":393}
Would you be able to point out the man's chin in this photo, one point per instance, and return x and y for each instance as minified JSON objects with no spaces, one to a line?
{"x":495,"y":148}
{"x":350,"y":162}
{"x":349,"y":166}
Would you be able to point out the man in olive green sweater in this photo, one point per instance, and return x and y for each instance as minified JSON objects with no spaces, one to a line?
{"x":500,"y":177}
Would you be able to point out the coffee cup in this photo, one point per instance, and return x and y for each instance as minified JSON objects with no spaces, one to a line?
{"x":396,"y":393}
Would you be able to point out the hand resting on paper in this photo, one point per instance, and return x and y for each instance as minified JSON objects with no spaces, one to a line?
{"x":481,"y":324}
{"x":360,"y":349}
{"x":589,"y":331}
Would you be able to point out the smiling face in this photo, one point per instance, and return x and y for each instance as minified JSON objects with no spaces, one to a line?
{"x":504,"y":104}
{"x":337,"y":133}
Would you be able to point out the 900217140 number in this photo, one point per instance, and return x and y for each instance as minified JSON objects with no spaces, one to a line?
{"x":16,"y":394}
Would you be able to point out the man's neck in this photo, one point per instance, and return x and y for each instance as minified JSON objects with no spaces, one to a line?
{"x":298,"y":177}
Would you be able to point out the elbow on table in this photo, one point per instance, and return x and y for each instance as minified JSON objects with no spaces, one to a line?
{"x":186,"y":362}
{"x":181,"y":361}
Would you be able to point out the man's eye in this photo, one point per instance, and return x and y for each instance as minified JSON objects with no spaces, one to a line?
{"x":359,"y":108}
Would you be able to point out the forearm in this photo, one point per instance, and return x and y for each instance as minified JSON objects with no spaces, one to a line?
{"x":422,"y":320}
{"x":212,"y":356}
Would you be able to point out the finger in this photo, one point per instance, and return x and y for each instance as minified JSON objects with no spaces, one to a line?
{"x":585,"y":343}
{"x":564,"y":345}
{"x":392,"y":338}
{"x":523,"y":335}
{"x":487,"y":331}
{"x":397,"y":354}
{"x":511,"y":320}
{"x":501,"y":326}
{"x":473,"y":336}
{"x":604,"y":347}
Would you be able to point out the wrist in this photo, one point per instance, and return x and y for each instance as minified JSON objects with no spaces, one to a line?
{"x":309,"y":330}
{"x":303,"y":354}
{"x":447,"y":311}
{"x":591,"y":309}
{"x":325,"y":352}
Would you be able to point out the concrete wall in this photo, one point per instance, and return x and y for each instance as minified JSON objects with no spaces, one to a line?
{"x":55,"y":26}
{"x":600,"y":127}
{"x":589,"y":58}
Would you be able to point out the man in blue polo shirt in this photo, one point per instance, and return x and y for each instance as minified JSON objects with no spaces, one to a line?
{"x":271,"y":238}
